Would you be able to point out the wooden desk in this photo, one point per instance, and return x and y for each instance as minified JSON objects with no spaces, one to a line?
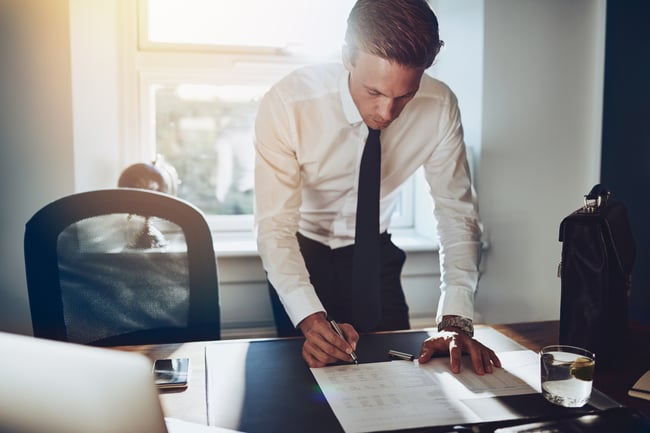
{"x":634,"y":350}
{"x":190,"y":404}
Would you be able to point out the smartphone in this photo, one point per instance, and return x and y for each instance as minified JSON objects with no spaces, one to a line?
{"x":171,"y":372}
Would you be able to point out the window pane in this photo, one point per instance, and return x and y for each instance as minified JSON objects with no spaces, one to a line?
{"x":199,"y":110}
{"x":206,"y":133}
{"x":293,"y":25}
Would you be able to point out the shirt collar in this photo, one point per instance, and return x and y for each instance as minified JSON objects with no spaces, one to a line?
{"x":349,"y":108}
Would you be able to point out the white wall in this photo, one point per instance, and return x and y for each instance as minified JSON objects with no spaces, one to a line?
{"x":460,"y":62}
{"x":96,"y":93}
{"x":542,"y":104}
{"x":36,"y":154}
{"x":532,"y":92}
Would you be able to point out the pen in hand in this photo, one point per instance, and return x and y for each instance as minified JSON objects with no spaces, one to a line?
{"x":338,"y":331}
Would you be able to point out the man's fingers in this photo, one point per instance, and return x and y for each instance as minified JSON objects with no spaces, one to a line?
{"x":483,"y":358}
{"x":351,"y":334}
{"x":425,"y":355}
{"x":490,"y":360}
{"x":311,"y":359}
{"x":314,"y":354}
{"x":477,"y":362}
{"x":324,"y":346}
{"x":337,"y":346}
{"x":455,"y":354}
{"x":430,"y":347}
{"x":455,"y":345}
{"x":495,"y":359}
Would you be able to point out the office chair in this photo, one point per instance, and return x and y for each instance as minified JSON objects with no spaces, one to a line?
{"x":91,"y":281}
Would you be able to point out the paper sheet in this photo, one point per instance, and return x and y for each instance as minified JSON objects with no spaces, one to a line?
{"x":175,"y":425}
{"x":404,"y":394}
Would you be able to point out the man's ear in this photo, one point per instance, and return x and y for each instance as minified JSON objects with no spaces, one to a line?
{"x":346,"y":55}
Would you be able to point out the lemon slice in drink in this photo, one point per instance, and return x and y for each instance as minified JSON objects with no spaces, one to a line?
{"x":583,"y":368}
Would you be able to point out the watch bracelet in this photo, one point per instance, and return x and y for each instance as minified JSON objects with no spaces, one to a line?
{"x":464,"y":324}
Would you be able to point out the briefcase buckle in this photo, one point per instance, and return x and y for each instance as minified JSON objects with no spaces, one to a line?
{"x":597,"y":198}
{"x":592,"y":204}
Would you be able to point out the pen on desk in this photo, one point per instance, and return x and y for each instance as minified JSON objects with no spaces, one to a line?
{"x":338,"y":331}
{"x":400,"y":355}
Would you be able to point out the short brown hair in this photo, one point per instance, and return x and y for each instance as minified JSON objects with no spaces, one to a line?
{"x":404,"y":31}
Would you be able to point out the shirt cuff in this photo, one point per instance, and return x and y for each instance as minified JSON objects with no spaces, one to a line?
{"x":299,"y":304}
{"x":456,"y":302}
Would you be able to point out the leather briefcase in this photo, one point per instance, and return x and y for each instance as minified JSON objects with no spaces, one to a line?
{"x":598,"y":253}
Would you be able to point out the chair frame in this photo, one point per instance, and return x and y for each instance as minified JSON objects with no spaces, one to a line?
{"x":42,"y":271}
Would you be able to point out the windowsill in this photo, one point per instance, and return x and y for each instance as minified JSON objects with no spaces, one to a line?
{"x":243,"y":244}
{"x":234,"y":244}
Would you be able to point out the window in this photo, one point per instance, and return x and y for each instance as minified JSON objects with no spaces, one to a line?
{"x":201,"y":67}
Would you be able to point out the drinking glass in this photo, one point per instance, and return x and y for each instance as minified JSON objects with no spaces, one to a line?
{"x":567,"y":374}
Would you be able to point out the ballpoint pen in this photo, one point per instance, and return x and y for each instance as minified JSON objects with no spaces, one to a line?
{"x":395,"y":354}
{"x":338,"y":331}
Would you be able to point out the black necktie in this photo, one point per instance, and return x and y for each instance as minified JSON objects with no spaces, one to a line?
{"x":366,"y":301}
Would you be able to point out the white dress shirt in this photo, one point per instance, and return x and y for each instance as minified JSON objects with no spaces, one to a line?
{"x":309,"y":137}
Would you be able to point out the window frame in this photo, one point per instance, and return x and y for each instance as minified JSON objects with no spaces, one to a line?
{"x":146,"y":63}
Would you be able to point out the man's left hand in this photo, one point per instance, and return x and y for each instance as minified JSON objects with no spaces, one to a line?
{"x":455,"y":343}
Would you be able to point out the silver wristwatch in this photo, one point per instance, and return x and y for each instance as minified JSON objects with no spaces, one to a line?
{"x":462,"y":323}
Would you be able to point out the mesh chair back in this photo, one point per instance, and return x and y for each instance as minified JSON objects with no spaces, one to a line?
{"x":122,"y":266}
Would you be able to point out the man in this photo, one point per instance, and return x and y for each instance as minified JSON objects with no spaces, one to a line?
{"x":310,"y":131}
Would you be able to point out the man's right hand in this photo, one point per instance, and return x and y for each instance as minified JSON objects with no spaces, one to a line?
{"x":322,"y":344}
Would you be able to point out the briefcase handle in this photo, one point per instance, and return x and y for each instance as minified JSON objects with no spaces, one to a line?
{"x":597,"y":198}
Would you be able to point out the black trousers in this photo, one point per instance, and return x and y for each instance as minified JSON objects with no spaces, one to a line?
{"x":330,"y":271}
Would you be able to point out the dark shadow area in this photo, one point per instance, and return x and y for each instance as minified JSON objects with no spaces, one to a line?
{"x":625,"y":159}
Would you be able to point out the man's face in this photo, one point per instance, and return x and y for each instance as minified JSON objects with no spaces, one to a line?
{"x":380,"y":88}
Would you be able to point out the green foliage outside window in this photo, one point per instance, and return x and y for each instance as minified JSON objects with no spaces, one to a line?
{"x":209,"y":141}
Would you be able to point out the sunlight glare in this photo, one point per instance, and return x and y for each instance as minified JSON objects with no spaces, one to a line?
{"x":299,"y":26}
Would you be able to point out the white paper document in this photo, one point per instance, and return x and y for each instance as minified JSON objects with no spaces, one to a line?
{"x":404,"y":394}
{"x":175,"y":425}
